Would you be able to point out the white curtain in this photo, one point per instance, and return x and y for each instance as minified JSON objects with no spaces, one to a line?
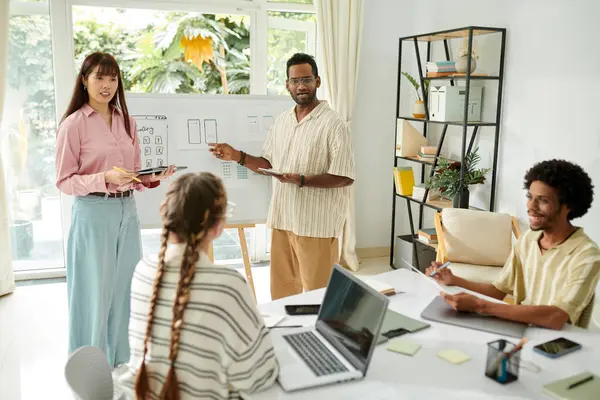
{"x":7,"y":279}
{"x":339,"y":23}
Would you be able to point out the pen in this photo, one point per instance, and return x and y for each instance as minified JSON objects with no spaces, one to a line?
{"x":581,"y":382}
{"x":125,"y":172}
{"x":440,"y":268}
{"x":286,"y":326}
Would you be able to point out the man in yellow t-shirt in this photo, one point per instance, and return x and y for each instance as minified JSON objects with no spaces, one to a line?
{"x":554,"y":267}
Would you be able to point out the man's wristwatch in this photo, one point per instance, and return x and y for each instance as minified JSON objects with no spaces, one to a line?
{"x":301,"y":180}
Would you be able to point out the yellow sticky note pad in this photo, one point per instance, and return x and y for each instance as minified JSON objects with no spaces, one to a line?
{"x":454,"y":356}
{"x":404,"y":347}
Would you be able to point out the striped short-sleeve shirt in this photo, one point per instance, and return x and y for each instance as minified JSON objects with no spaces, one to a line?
{"x":319,"y":144}
{"x":564,"y":276}
{"x":225,"y":349}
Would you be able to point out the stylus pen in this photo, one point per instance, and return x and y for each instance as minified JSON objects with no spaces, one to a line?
{"x":447,"y":264}
{"x":581,"y":382}
{"x":125,"y":172}
{"x":286,"y":326}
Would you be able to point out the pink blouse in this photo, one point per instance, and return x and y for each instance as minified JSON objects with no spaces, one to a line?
{"x":86,"y":147}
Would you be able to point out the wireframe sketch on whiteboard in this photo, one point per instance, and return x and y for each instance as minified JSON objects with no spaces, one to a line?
{"x":194,"y":134}
{"x":153,"y":133}
{"x":210,"y":131}
{"x":267,"y":122}
{"x":242,"y":173}
{"x":252,"y":125}
{"x":226,"y":174}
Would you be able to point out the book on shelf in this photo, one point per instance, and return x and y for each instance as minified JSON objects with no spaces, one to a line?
{"x":404,"y":178}
{"x":427,"y":241}
{"x":428,"y":233}
{"x":419,"y":192}
{"x":426,"y":157}
{"x":441,"y":66}
{"x":429,"y":150}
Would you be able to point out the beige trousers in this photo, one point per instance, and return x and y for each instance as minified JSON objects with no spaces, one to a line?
{"x":300,"y":263}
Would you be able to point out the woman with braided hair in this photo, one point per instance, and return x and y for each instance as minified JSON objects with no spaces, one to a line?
{"x":195,"y":332}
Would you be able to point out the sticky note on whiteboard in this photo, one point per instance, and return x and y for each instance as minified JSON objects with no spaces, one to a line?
{"x":210,"y":131}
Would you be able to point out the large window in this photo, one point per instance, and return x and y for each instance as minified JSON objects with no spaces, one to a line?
{"x":289,"y":33}
{"x":28,"y":143}
{"x":160,"y":50}
{"x":169,"y":52}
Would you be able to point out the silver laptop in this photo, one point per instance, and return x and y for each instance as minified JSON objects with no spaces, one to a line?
{"x":440,"y":311}
{"x":339,"y":347}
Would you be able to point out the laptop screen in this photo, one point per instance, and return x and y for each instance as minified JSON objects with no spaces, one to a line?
{"x":353,"y":312}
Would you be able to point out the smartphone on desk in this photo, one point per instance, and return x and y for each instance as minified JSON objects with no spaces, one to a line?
{"x":302,"y":309}
{"x":557,"y":347}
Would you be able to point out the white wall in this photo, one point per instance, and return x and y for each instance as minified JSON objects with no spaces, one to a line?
{"x":550,"y":106}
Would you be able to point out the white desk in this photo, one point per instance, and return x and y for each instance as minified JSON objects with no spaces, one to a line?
{"x":425,"y":376}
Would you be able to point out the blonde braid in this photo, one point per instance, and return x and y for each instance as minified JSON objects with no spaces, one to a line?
{"x":170,"y":390}
{"x":142,"y":384}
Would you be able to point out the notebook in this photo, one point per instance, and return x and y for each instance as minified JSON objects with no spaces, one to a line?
{"x":382,"y":288}
{"x":394,"y":320}
{"x":586,"y":391}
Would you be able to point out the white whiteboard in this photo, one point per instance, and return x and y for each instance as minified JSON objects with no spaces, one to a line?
{"x":176,"y":129}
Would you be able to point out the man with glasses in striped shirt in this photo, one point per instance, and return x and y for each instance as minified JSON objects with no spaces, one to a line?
{"x":311,"y":146}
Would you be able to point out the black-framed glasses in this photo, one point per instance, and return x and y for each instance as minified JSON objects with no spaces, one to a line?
{"x":307,"y":81}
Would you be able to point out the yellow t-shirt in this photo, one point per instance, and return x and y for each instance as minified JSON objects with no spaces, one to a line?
{"x":564,"y":276}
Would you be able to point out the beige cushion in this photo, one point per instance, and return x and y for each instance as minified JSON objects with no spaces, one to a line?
{"x":475,"y":273}
{"x":477,"y":237}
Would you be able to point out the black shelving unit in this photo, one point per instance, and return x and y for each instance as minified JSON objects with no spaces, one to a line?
{"x":474,"y":126}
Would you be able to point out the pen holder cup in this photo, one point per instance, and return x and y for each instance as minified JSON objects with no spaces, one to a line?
{"x":500,"y":365}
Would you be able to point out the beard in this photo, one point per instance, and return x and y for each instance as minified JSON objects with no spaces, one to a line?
{"x":540,"y":221}
{"x":304,"y":98}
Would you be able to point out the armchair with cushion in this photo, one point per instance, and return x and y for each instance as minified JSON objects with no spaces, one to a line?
{"x":477,"y":243}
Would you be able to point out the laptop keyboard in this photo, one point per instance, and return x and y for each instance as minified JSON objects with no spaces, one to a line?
{"x":318,"y":357}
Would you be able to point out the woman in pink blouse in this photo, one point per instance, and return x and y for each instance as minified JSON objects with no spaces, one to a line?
{"x":104,"y":246}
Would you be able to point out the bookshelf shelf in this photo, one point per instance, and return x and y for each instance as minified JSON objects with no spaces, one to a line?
{"x":461,"y":77}
{"x":417,"y":160}
{"x":437,"y":205}
{"x":458,"y":33}
{"x":422,"y":44}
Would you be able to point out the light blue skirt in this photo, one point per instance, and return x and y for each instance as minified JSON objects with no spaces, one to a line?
{"x":103,"y":250}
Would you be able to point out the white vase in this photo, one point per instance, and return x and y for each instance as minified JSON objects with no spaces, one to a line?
{"x":418,"y":109}
{"x":461,"y":64}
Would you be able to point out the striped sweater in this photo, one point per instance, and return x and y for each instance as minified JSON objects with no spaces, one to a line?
{"x":225,"y":348}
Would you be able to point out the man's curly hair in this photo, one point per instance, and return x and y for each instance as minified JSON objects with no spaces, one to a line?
{"x":573,"y":185}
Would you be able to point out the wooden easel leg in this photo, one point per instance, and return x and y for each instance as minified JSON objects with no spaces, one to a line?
{"x":211,"y":253}
{"x":246,"y":257}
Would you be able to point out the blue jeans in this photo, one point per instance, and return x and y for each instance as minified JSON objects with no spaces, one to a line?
{"x":103,"y":250}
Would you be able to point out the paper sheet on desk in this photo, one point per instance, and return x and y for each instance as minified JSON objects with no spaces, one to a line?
{"x":458,"y":289}
{"x":271,"y":320}
{"x":453,"y":289}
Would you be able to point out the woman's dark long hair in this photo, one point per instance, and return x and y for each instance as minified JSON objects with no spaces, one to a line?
{"x":107,"y":65}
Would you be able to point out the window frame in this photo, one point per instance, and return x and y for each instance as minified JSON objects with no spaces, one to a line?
{"x":61,"y":25}
{"x":30,"y":9}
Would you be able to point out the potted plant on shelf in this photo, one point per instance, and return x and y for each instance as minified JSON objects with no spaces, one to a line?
{"x":463,"y":58}
{"x":418,"y":109}
{"x":446,"y":179}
